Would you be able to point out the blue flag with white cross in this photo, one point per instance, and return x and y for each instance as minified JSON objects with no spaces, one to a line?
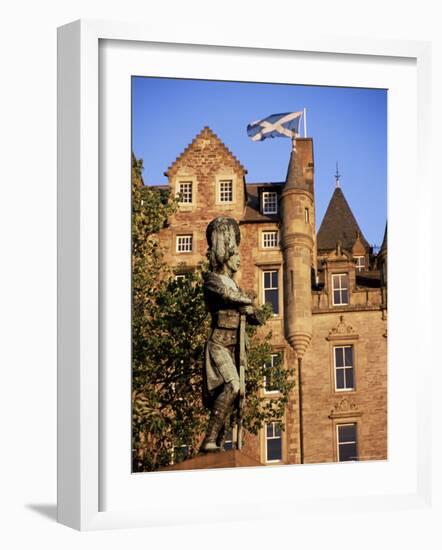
{"x":278,"y":125}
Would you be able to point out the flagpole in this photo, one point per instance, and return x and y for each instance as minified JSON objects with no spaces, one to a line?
{"x":305,"y":122}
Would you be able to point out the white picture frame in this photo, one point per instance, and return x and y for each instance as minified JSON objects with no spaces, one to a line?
{"x":81,"y":450}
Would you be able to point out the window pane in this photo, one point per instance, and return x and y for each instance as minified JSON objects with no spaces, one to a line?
{"x":186,"y":191}
{"x":268,"y":373}
{"x":274,"y":279}
{"x":272,"y":373}
{"x":180,"y":453}
{"x":269,"y":202}
{"x":226,"y":191}
{"x":269,"y":430}
{"x":271,"y":297}
{"x":347,"y":452}
{"x":344,"y":297}
{"x":267,"y":278}
{"x":270,"y":381}
{"x":184,"y":243}
{"x":274,"y":449}
{"x":339,"y":357}
{"x":347,"y":433}
{"x":340,"y":379}
{"x":349,"y":356}
{"x":336,"y":297}
{"x":344,"y":281}
{"x":270,"y":239}
{"x":349,"y":378}
{"x":228,"y":444}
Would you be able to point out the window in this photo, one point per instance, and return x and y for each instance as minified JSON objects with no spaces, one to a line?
{"x":273,"y":373}
{"x":360,"y":263}
{"x":344,"y":373}
{"x":270,"y":287}
{"x":384,"y":273}
{"x":347,"y":444}
{"x":228,"y":442}
{"x":226,"y":191}
{"x":269,"y":202}
{"x":185,"y":192}
{"x":273,"y":442}
{"x":270,"y":239}
{"x":180,"y":277}
{"x":340,"y":289}
{"x":184,"y":243}
{"x":179,"y":453}
{"x":306,"y":215}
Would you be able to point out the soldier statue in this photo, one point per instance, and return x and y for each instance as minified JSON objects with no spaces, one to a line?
{"x":226,"y":347}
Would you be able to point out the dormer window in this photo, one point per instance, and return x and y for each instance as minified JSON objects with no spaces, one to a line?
{"x":226,"y":191}
{"x":340,"y":289}
{"x":185,"y":192}
{"x":269,"y":202}
{"x":360,"y":263}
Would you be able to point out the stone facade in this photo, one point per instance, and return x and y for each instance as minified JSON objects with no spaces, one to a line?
{"x":331,"y":302}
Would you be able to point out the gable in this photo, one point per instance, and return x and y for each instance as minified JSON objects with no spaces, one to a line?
{"x":204,"y":152}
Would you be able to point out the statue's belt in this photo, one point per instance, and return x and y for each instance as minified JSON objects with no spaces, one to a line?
{"x":224,"y":337}
{"x":227,"y":319}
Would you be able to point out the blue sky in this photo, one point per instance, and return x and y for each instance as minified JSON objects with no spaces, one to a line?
{"x":348,"y":126}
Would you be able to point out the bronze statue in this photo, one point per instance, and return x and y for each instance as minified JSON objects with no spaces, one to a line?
{"x":226,"y":347}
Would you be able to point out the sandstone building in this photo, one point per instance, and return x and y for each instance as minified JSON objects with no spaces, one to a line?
{"x":327,"y":290}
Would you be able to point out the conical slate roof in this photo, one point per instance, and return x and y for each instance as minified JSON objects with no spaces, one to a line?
{"x":300,"y":168}
{"x":339,"y":224}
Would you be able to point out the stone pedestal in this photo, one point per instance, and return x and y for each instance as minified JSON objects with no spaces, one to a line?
{"x":226,"y":459}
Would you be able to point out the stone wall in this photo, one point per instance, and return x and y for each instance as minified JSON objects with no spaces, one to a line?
{"x":324,"y":407}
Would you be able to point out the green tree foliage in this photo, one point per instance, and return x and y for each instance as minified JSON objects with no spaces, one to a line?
{"x":169,"y":329}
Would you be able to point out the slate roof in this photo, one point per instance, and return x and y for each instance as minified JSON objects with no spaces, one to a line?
{"x":370,"y":279}
{"x":300,"y":168}
{"x":339,"y":224}
{"x":384,"y":246}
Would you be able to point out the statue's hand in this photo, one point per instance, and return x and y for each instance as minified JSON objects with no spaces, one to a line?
{"x":243,"y":298}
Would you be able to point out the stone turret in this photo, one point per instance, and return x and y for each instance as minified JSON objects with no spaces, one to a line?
{"x":298,"y":245}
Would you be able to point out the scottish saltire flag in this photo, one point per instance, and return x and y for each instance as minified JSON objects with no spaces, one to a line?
{"x":282,"y":125}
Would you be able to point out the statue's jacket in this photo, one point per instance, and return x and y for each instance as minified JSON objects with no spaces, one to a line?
{"x":224,"y":300}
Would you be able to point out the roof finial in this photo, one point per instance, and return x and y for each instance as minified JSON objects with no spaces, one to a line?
{"x":338,"y":248}
{"x":337,"y":176}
